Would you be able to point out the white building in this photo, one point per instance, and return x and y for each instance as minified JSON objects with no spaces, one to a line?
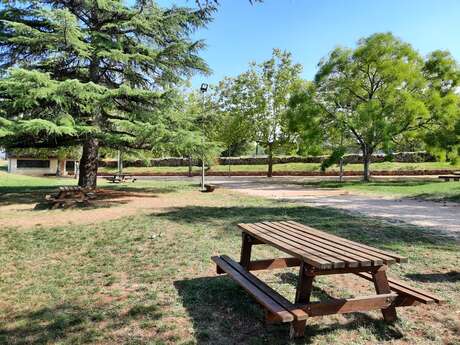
{"x":18,"y":164}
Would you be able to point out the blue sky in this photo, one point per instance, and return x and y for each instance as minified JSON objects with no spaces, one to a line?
{"x":309,"y":29}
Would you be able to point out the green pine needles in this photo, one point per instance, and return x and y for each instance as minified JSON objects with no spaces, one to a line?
{"x":93,"y":73}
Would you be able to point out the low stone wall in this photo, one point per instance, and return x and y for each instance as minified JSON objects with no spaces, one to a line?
{"x":299,"y":173}
{"x":400,"y":157}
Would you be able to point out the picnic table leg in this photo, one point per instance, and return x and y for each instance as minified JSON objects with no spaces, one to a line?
{"x":246,"y":250}
{"x":382,"y":287}
{"x":303,"y":293}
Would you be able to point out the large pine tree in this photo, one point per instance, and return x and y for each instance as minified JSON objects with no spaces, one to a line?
{"x":92,"y":73}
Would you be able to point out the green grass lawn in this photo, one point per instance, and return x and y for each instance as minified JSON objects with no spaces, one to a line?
{"x":387,"y":166}
{"x":148,"y":278}
{"x":420,"y":189}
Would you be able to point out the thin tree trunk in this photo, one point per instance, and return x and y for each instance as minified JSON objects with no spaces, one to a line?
{"x":120,"y":162}
{"x":367,"y":162}
{"x":341,"y":170}
{"x":270,"y":161}
{"x":229,"y":162}
{"x":189,"y":166}
{"x":58,"y":170}
{"x":89,"y":164}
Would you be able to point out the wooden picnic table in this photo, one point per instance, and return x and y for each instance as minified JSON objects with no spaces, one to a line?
{"x":317,"y":253}
{"x":70,"y":195}
{"x":120,"y":178}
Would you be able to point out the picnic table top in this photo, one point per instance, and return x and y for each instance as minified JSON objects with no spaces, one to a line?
{"x":317,"y":248}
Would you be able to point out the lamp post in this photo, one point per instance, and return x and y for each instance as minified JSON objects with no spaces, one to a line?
{"x":203,"y":89}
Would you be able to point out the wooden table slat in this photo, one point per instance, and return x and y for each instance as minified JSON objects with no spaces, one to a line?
{"x":272,"y":227}
{"x":349,"y":250}
{"x":308,"y":258}
{"x":317,"y":248}
{"x":271,"y":235}
{"x":331,"y":262}
{"x":342,"y":252}
{"x":390,"y":257}
{"x":282,"y":237}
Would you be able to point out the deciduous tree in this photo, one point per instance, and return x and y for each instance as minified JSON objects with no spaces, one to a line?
{"x":266,"y":88}
{"x":376,"y":92}
{"x":443,"y":75}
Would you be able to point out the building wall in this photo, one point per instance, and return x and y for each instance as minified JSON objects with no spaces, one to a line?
{"x":13,"y":168}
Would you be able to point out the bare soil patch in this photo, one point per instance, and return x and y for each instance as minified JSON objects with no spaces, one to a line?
{"x":443,"y":216}
{"x":109,"y":205}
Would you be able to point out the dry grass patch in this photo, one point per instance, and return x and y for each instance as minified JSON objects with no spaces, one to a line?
{"x":147,"y":278}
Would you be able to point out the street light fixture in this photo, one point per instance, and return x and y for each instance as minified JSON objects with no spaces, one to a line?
{"x":203,"y":89}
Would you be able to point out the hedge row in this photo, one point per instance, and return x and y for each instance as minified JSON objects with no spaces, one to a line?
{"x":402,"y":157}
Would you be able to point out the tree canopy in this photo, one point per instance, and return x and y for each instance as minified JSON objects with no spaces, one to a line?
{"x":443,"y":75}
{"x":258,"y":99}
{"x":375,"y":92}
{"x":95,"y":73}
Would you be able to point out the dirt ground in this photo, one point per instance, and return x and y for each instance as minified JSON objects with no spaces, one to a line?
{"x":108,"y":206}
{"x":117,"y":204}
{"x":443,"y":216}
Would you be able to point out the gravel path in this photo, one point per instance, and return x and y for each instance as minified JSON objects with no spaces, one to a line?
{"x":438,"y":215}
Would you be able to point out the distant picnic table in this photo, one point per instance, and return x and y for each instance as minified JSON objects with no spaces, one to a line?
{"x":317,"y":253}
{"x":120,"y":178}
{"x":69,"y":195}
{"x":455,"y":176}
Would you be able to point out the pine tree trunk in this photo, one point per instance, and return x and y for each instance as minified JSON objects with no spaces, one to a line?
{"x":270,"y":161}
{"x":89,"y":164}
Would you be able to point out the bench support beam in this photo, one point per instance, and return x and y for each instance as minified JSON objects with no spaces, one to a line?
{"x":303,"y":293}
{"x":271,"y":264}
{"x":246,"y":249}
{"x":351,"y":305}
{"x":383,"y":287}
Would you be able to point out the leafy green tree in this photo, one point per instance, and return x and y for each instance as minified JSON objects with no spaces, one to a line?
{"x":233,"y":107}
{"x":375,"y":92}
{"x":194,"y":134}
{"x":265,"y":89}
{"x":443,"y":74}
{"x":93,"y":73}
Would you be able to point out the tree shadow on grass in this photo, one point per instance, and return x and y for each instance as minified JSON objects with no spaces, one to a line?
{"x":36,"y":195}
{"x":71,"y":324}
{"x":355,"y":227}
{"x":223,"y":313}
{"x":438,"y":197}
{"x":449,"y":277}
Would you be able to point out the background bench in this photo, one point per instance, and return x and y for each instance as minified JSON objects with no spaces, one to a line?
{"x":447,"y":178}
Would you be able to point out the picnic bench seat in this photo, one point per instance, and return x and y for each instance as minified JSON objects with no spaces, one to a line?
{"x":318,"y":253}
{"x":280,"y":308}
{"x":404,"y":290}
{"x":447,"y":178}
